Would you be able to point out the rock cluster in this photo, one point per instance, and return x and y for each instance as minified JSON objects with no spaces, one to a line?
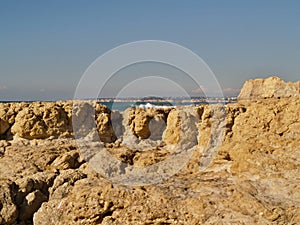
{"x":41,"y":120}
{"x":253,"y":177}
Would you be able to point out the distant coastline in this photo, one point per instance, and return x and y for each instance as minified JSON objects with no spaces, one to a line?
{"x":171,"y":100}
{"x":122,"y":104}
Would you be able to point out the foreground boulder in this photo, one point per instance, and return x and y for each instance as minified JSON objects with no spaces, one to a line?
{"x":41,"y":120}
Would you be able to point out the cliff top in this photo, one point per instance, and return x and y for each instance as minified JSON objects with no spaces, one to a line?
{"x":272,"y":87}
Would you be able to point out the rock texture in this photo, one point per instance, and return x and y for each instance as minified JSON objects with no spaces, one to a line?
{"x":172,"y":133}
{"x":142,"y":121}
{"x":253,"y":177}
{"x":8,"y":114}
{"x":41,"y":120}
{"x":269,"y":88}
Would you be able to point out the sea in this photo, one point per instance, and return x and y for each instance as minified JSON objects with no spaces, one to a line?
{"x":121,"y":106}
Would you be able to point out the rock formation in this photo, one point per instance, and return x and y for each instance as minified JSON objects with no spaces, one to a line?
{"x":253,"y":177}
{"x":272,"y":87}
{"x":41,"y":120}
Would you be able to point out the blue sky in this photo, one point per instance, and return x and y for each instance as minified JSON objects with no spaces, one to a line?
{"x":45,"y":47}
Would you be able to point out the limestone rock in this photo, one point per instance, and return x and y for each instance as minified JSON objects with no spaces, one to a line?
{"x":83,"y":118}
{"x":272,"y":87}
{"x":92,"y":120}
{"x":41,"y":120}
{"x":28,"y":125}
{"x":8,"y":208}
{"x":157,"y":126}
{"x":253,"y":177}
{"x":117,"y":120}
{"x":140,"y":120}
{"x":104,"y":125}
{"x":64,"y":182}
{"x":56,"y":120}
{"x":39,"y":181}
{"x":172,"y":133}
{"x":3,"y":145}
{"x":4,"y":125}
{"x":8,"y":113}
{"x":70,"y":160}
{"x":140,"y":124}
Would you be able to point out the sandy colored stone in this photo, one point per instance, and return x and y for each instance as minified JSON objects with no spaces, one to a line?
{"x":41,"y":120}
{"x":56,"y":119}
{"x":272,"y":87}
{"x":93,"y":121}
{"x":172,"y":133}
{"x":252,"y":179}
{"x":140,"y":122}
{"x":29,"y":125}
{"x":69,"y":160}
{"x":8,"y":208}
{"x":8,"y":112}
{"x":104,"y":125}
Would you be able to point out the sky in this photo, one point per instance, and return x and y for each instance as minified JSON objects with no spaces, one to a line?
{"x":46,"y":46}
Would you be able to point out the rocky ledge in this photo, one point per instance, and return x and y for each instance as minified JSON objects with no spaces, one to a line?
{"x":253,"y":177}
{"x":272,"y":87}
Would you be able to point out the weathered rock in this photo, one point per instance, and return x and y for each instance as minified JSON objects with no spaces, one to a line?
{"x":272,"y":87}
{"x":57,"y":121}
{"x":83,"y":118}
{"x":4,"y":125}
{"x":253,"y":178}
{"x":41,"y":120}
{"x":104,"y":125}
{"x":64,"y":182}
{"x":39,"y":181}
{"x":29,"y":125}
{"x":3,"y":145}
{"x":7,"y":115}
{"x":92,"y":120}
{"x":8,"y":208}
{"x":116,"y":120}
{"x":139,"y":121}
{"x":172,"y":133}
{"x":157,"y":126}
{"x":70,"y":160}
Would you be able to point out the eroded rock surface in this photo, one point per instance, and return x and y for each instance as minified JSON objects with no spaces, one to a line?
{"x":41,"y":120}
{"x":272,"y":87}
{"x":143,"y":120}
{"x":253,"y":177}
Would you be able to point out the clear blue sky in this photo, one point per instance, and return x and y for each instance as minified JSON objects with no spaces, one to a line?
{"x":45,"y":46}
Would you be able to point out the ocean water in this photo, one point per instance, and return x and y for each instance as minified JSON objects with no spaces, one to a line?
{"x":121,"y":106}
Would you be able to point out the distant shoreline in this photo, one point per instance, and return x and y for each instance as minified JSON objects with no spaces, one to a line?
{"x":172,"y":100}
